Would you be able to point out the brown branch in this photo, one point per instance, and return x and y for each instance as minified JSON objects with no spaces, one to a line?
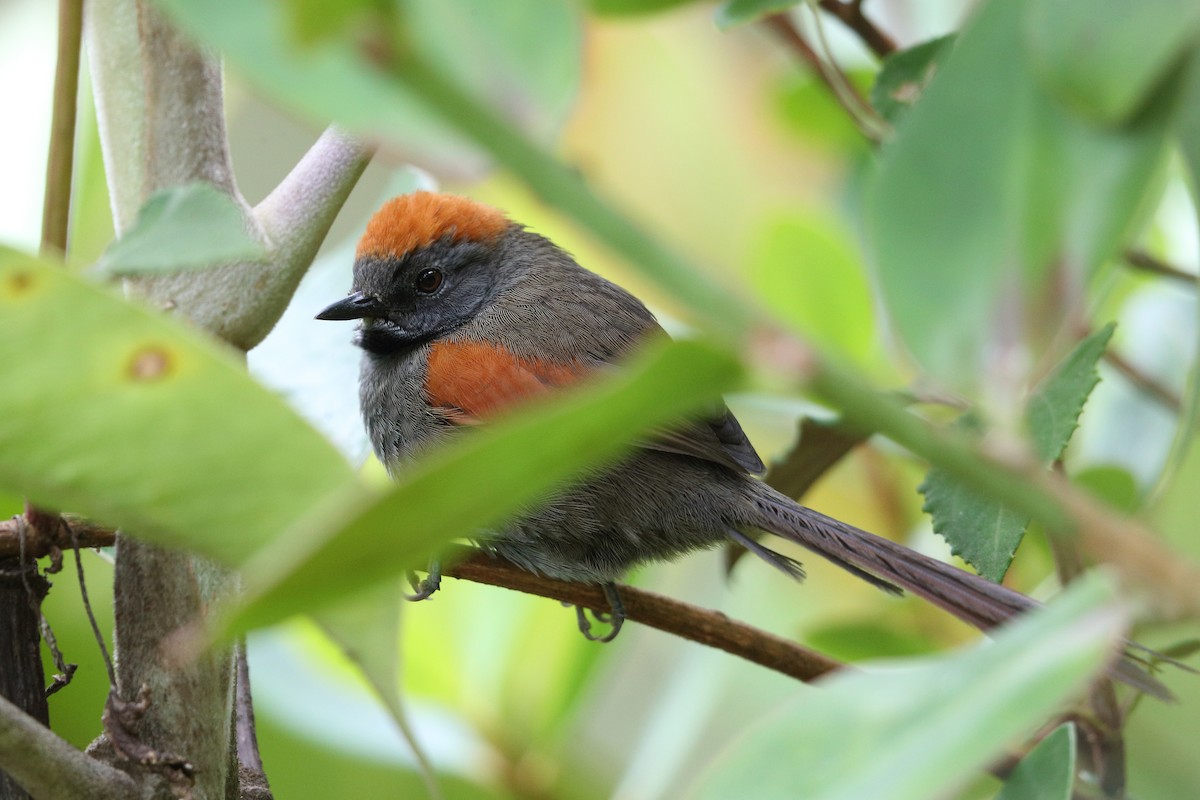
{"x":1140,"y":259}
{"x":851,"y":15}
{"x":1143,"y":382}
{"x":687,"y":621}
{"x":252,"y":778}
{"x":672,"y":616}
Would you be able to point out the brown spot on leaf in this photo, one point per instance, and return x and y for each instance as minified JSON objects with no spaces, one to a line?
{"x":150,"y":364}
{"x":19,"y":281}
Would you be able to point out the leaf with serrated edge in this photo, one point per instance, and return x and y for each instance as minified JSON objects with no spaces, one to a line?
{"x":1055,"y":405}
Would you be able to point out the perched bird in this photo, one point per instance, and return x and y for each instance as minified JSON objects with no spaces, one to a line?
{"x":466,"y":313}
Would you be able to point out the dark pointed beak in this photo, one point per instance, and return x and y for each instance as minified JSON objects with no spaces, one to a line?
{"x":356,"y":306}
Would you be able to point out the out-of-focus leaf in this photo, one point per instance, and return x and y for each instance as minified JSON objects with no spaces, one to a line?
{"x":904,"y":75}
{"x":506,"y":467}
{"x":1105,"y":58}
{"x":313,"y":20}
{"x":807,"y":108}
{"x":525,"y":52}
{"x":869,"y":733}
{"x":91,"y":214}
{"x":366,"y":627}
{"x":1055,"y":405}
{"x":137,"y":421}
{"x":1115,"y":486}
{"x":622,"y":7}
{"x":965,"y":228}
{"x":732,"y":13}
{"x":1048,"y":772}
{"x":806,"y":270}
{"x":185,"y":227}
{"x":857,"y":641}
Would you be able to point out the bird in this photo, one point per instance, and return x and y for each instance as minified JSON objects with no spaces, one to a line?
{"x":466,"y":314}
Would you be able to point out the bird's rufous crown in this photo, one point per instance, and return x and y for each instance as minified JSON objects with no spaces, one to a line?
{"x":412,"y":221}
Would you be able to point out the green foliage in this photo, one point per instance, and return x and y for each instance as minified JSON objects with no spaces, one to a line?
{"x":111,"y":377}
{"x":817,"y":745}
{"x":904,"y":75}
{"x":981,"y":530}
{"x":1048,"y":772}
{"x":186,"y":227}
{"x":982,"y":216}
{"x":1103,"y":61}
{"x":732,"y":13}
{"x":623,"y":7}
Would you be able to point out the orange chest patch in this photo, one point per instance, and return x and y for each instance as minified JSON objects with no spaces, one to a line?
{"x":476,"y":380}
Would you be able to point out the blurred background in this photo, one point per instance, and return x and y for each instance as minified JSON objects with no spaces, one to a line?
{"x":733,"y":152}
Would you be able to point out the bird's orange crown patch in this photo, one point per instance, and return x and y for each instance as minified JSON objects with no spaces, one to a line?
{"x":415,"y":220}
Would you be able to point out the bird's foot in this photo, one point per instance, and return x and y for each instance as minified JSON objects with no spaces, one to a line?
{"x":423,"y":589}
{"x":615,"y":617}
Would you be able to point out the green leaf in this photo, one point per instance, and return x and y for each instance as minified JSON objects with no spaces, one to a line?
{"x":1106,"y":57}
{"x":477,"y":482}
{"x":1115,"y":486}
{"x":868,"y":639}
{"x":1048,"y":772}
{"x":1055,"y":405}
{"x":920,"y":731}
{"x":182,"y":228}
{"x":905,"y":74}
{"x":732,"y":13}
{"x":624,"y":7}
{"x":806,"y":270}
{"x":313,"y":20}
{"x":524,"y":51}
{"x":989,"y":185}
{"x":137,"y":421}
{"x":980,"y":530}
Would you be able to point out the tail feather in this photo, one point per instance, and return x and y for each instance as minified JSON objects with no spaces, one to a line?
{"x":884,"y":563}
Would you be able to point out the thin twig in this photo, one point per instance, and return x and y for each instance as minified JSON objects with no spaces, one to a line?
{"x":113,"y":685}
{"x":672,"y":616}
{"x":65,"y":671}
{"x":829,"y":74}
{"x":56,"y":205}
{"x":1140,"y":259}
{"x":851,"y":15}
{"x":1143,"y":382}
{"x":252,"y":778}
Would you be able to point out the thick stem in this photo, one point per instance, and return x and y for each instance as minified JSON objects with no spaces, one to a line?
{"x":22,"y":681}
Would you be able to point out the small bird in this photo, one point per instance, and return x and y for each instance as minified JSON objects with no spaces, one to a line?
{"x":466,"y":314}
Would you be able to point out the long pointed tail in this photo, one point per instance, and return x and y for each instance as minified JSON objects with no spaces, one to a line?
{"x":973,"y":599}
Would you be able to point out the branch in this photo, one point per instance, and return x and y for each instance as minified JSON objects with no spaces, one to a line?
{"x":56,"y":204}
{"x":1140,"y":259}
{"x":1144,"y":383}
{"x":672,"y":616}
{"x":49,"y":768}
{"x":851,"y":15}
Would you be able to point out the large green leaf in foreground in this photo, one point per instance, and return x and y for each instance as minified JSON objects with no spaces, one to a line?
{"x":921,"y":731}
{"x":121,"y":414}
{"x":480,"y":480}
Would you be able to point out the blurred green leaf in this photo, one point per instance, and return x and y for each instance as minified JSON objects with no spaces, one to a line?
{"x":187,"y":227}
{"x":1055,"y":405}
{"x":91,"y":215}
{"x":1115,"y":486}
{"x":462,"y":489}
{"x":904,"y":75}
{"x":732,"y":13}
{"x":1048,"y":772}
{"x":806,"y":270}
{"x":965,"y":227}
{"x":915,"y":733}
{"x":807,"y":107}
{"x":313,"y":20}
{"x":622,"y":7}
{"x":366,"y":626}
{"x":862,"y":640}
{"x":523,"y":52}
{"x":1106,"y":57}
{"x":138,"y":421}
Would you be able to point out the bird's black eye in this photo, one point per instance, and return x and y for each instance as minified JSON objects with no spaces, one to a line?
{"x":428,"y":281}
